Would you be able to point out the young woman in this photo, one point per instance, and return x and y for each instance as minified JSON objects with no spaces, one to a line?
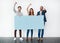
{"x":19,"y":13}
{"x":30,"y":13}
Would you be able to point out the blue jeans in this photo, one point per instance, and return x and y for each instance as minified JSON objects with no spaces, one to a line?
{"x":40,"y":33}
{"x":31,"y":32}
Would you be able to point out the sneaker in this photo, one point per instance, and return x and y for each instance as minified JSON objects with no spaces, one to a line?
{"x":21,"y":39}
{"x":14,"y":38}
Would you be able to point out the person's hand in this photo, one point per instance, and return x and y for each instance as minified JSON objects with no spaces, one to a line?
{"x":44,"y":9}
{"x":30,"y":4}
{"x":15,"y":2}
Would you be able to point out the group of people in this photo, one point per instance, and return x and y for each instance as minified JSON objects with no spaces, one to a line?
{"x":30,"y":13}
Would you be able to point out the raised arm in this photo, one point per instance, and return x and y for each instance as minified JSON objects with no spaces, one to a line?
{"x":14,"y":7}
{"x":28,"y":7}
{"x":44,"y":10}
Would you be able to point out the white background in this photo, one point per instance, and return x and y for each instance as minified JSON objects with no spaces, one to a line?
{"x":52,"y":27}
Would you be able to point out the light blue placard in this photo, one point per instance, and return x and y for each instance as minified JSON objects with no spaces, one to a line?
{"x":29,"y":22}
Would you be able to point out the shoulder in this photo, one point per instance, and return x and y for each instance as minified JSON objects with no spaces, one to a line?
{"x":38,"y":13}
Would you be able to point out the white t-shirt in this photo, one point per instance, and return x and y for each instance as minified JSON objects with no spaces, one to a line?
{"x":40,"y":12}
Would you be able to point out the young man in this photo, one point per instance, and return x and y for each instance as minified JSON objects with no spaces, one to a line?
{"x":19,"y":13}
{"x":41,"y":31}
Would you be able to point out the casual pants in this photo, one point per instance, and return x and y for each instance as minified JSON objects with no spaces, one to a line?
{"x":31,"y":32}
{"x":20,"y":33}
{"x":40,"y":33}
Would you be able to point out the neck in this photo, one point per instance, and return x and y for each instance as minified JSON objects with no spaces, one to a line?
{"x":41,"y":10}
{"x":19,"y":11}
{"x":31,"y":13}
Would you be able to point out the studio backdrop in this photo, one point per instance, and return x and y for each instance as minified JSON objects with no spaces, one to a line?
{"x":52,"y":26}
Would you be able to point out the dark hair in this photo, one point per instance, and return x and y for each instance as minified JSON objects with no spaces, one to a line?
{"x":32,"y":11}
{"x":19,"y":7}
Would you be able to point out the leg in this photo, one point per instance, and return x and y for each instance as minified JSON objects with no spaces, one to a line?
{"x":31,"y":33}
{"x":15,"y":33}
{"x":42,"y":33}
{"x":39,"y":30}
{"x":20,"y":33}
{"x":27,"y":33}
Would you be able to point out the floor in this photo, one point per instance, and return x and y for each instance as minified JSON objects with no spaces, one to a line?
{"x":45,"y":40}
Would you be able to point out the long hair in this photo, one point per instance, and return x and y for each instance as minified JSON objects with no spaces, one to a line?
{"x":31,"y":13}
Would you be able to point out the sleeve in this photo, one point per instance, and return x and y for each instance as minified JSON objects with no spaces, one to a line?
{"x":37,"y":13}
{"x":44,"y":11}
{"x":45,"y":18}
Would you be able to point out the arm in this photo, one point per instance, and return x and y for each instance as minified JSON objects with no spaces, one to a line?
{"x":14,"y":7}
{"x":45,"y":15}
{"x":28,"y":8}
{"x":44,"y":10}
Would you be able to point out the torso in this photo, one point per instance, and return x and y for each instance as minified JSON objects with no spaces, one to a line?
{"x":19,"y":13}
